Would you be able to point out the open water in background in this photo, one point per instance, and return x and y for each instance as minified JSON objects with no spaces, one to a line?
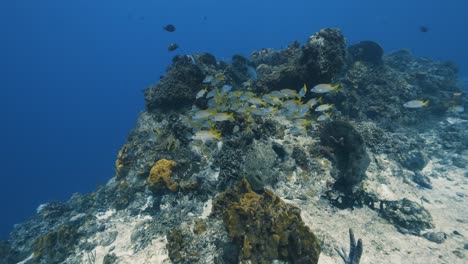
{"x":72,"y":72}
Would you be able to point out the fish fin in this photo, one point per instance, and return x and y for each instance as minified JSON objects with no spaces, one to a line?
{"x":158,"y":133}
{"x":187,"y":121}
{"x":216,"y":133}
{"x":426,"y":103}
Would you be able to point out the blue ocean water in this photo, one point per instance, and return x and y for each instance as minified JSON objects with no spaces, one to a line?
{"x":72,"y":72}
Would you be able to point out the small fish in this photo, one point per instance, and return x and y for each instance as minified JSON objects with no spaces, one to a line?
{"x":291,"y":104}
{"x":226,"y":88}
{"x":212,"y":93}
{"x":323,"y":108}
{"x":243,"y":109}
{"x":303,"y":110}
{"x":198,"y":125}
{"x":262,"y":111}
{"x":208,"y":79}
{"x":298,"y":129}
{"x":289,"y":93}
{"x":314,"y":101}
{"x":169,"y":28}
{"x":203,"y":114}
{"x":235,"y":95}
{"x":416,"y":104}
{"x":219,"y":117}
{"x":423,"y":29}
{"x":172,"y":47}
{"x":256,"y":101}
{"x":205,"y":135}
{"x":323,"y":117}
{"x":153,"y":137}
{"x":272,"y":100}
{"x":201,"y":93}
{"x":457,"y":109}
{"x":276,"y":94}
{"x":220,"y":77}
{"x":456,"y":95}
{"x":324,"y":88}
{"x":303,"y":91}
{"x":186,"y":121}
{"x":302,"y":122}
{"x":212,"y":103}
{"x":246,"y":96}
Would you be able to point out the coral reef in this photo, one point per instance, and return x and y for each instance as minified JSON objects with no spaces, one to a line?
{"x":265,"y":228}
{"x":349,"y":152}
{"x":8,"y":255}
{"x":323,"y":56}
{"x":409,"y":217}
{"x":317,"y":61}
{"x":122,"y":162}
{"x":378,"y":93}
{"x":413,"y":160}
{"x":177,"y":88}
{"x":270,"y":173}
{"x":55,"y":246}
{"x":160,"y":176}
{"x":367,"y":51}
{"x":258,"y":164}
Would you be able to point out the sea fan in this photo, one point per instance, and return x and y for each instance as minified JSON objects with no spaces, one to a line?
{"x":355,"y":250}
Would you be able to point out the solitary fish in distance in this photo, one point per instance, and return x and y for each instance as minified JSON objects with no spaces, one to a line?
{"x":169,"y":28}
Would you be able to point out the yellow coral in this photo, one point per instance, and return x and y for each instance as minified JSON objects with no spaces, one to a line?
{"x":160,"y":176}
{"x":121,"y":162}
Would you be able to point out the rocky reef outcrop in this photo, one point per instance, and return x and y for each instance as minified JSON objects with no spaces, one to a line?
{"x":264,"y":227}
{"x":319,"y":60}
{"x":242,"y":162}
{"x":349,"y":152}
{"x":177,"y":88}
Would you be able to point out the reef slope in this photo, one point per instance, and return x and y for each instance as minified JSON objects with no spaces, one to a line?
{"x":225,"y":165}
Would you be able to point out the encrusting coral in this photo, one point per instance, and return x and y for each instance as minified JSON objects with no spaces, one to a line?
{"x":160,"y":176}
{"x":265,"y":227}
{"x":122,"y":162}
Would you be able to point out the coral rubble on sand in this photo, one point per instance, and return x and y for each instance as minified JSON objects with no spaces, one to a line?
{"x":273,"y":159}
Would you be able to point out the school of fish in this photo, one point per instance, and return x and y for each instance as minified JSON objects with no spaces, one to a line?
{"x":223,"y":103}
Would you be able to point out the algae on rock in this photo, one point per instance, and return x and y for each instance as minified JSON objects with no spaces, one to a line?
{"x":258,"y":164}
{"x":265,"y":227}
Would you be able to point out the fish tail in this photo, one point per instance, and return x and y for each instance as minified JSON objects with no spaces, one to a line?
{"x":218,"y":135}
{"x":320,"y":100}
{"x":335,"y":87}
{"x":187,"y":121}
{"x":426,"y":103}
{"x":158,"y":133}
